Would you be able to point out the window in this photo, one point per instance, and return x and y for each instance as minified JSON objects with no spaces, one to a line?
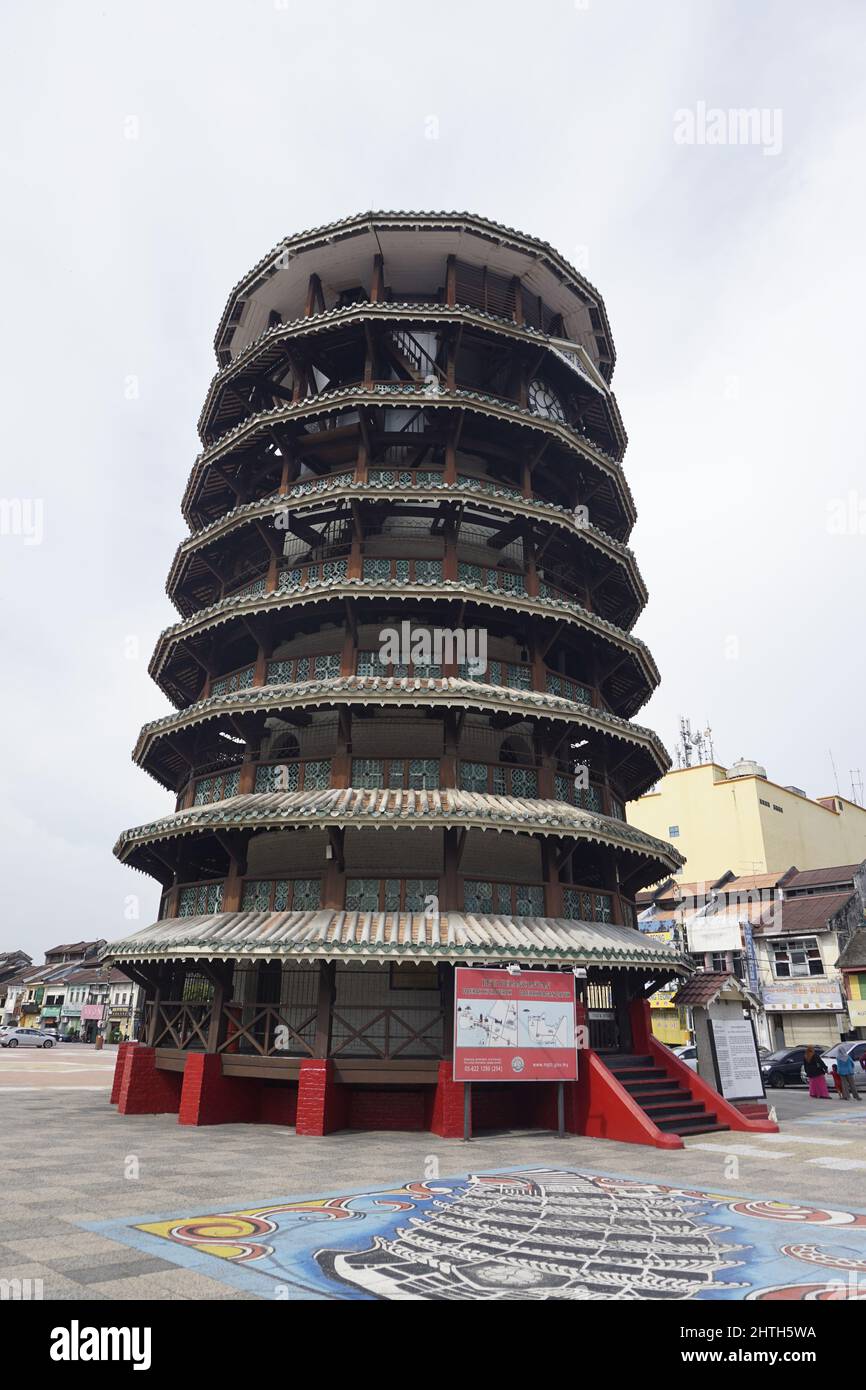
{"x":796,"y":959}
{"x":673,"y":832}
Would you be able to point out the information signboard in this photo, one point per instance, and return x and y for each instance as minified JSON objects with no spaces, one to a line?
{"x":736,"y":1056}
{"x":514,"y":1027}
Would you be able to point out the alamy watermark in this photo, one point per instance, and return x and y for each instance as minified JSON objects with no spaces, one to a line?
{"x":23,"y":516}
{"x":735,"y":126}
{"x":434,"y":646}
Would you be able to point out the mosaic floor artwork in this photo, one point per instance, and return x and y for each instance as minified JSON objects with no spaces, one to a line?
{"x":531,"y":1233}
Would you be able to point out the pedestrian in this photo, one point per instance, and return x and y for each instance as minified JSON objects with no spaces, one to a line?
{"x":816,"y":1070}
{"x":845,"y":1068}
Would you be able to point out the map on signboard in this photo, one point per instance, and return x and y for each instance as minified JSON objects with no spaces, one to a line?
{"x":544,"y":1025}
{"x":488,"y":1023}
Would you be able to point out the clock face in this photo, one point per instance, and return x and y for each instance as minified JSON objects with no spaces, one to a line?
{"x":544,"y":401}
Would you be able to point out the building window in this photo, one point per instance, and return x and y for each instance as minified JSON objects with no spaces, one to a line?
{"x":389,"y":894}
{"x":582,"y":906}
{"x":520,"y":900}
{"x":796,"y":959}
{"x":200,"y":898}
{"x":281,"y":895}
{"x":673,"y":832}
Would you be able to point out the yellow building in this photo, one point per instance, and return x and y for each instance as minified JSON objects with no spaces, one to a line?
{"x":737,"y":818}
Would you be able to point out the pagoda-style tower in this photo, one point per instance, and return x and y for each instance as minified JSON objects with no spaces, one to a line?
{"x":411,"y":431}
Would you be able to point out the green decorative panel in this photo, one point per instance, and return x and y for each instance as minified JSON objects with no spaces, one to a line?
{"x":218,"y":787}
{"x":362,"y":894}
{"x":529,"y":900}
{"x":563,"y":788}
{"x":428,"y":571}
{"x":473,"y":777}
{"x":417,"y":892}
{"x":368,"y":772}
{"x":307,"y":895}
{"x":477,"y":896}
{"x":369,"y":664}
{"x":238,"y":680}
{"x":327,"y":667}
{"x":519,"y":677}
{"x":423,"y":774}
{"x":257,"y":895}
{"x":377,"y":569}
{"x":199,"y":899}
{"x":317,"y":775}
{"x":603,"y":909}
{"x":469,"y":574}
{"x":524,"y":781}
{"x":280,"y":672}
{"x":278,"y":777}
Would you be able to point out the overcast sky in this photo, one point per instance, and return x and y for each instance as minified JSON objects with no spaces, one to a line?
{"x":151,"y":153}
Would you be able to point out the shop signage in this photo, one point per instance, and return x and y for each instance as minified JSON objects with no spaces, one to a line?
{"x":802,"y":994}
{"x":514,"y":1027}
{"x":93,"y":1011}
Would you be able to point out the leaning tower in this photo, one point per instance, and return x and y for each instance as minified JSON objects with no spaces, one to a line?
{"x":403,"y":668}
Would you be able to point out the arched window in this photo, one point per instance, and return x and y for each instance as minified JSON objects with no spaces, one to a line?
{"x":284,"y":745}
{"x":515,"y":750}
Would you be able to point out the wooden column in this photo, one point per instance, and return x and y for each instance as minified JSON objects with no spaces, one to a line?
{"x":553,"y":904}
{"x":327,"y":993}
{"x":451,"y":280}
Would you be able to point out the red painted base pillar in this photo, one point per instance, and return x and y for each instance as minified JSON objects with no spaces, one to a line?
{"x":321,"y":1099}
{"x":446,"y":1118}
{"x":209,"y":1098}
{"x":119,"y":1067}
{"x":144,"y":1089}
{"x":640,"y":1016}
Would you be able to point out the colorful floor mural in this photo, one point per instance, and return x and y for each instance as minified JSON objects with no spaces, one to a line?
{"x":522,"y":1234}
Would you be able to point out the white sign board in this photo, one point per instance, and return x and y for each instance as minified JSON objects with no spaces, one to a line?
{"x":737,"y":1062}
{"x":718,"y":931}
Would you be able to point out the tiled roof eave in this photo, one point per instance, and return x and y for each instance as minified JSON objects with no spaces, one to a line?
{"x":340,"y":807}
{"x":442,"y":590}
{"x":331,"y":934}
{"x":456,"y":398}
{"x":303,"y":503}
{"x":367,"y":311}
{"x":411,"y":691}
{"x":361,"y":222}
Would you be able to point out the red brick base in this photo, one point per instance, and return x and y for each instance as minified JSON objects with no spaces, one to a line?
{"x":446,"y":1111}
{"x":144,"y":1089}
{"x":118,"y":1070}
{"x":321,"y":1101}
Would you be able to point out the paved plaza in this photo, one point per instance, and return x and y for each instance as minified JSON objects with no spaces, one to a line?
{"x":99,"y":1206}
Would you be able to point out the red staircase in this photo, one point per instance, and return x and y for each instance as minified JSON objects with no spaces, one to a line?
{"x":662,"y":1098}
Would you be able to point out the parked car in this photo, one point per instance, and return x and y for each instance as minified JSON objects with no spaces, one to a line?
{"x":27,"y":1037}
{"x":687,"y":1053}
{"x":784,"y":1067}
{"x":855,"y":1050}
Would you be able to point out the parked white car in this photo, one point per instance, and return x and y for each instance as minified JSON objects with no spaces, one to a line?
{"x":687,"y":1054}
{"x":26,"y":1037}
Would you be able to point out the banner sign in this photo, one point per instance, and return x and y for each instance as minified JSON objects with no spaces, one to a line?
{"x":751,"y":959}
{"x":736,"y":1056}
{"x":802,"y":994}
{"x":514,"y":1027}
